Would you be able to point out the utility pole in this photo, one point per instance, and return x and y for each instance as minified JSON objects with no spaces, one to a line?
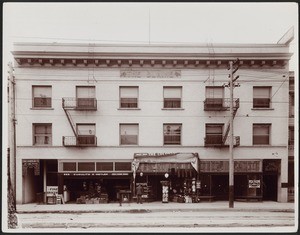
{"x":12,"y":132}
{"x":231,"y":162}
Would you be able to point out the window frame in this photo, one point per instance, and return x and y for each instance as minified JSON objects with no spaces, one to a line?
{"x":34,"y":134}
{"x":269,"y":133}
{"x":254,"y":106}
{"x":86,"y":136}
{"x":181,"y":94}
{"x":220,"y":134}
{"x":33,"y":97}
{"x":172,"y":124}
{"x":137,"y":98}
{"x":120,"y":136}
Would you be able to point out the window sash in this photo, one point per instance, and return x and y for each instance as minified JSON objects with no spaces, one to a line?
{"x":42,"y":134}
{"x":172,"y":134}
{"x":261,"y":134}
{"x":129,"y":134}
{"x":128,"y":92}
{"x":215,"y":92}
{"x":172,"y":92}
{"x":42,"y":91}
{"x":86,"y":129}
{"x":85,"y":92}
{"x":261,"y":92}
{"x":214,"y":129}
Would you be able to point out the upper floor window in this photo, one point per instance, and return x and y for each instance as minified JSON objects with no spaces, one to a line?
{"x":291,"y":135}
{"x":172,"y":97}
{"x":42,"y":96}
{"x":261,"y":97}
{"x":86,"y":134}
{"x":42,"y":134}
{"x":172,"y":134}
{"x":261,"y":134}
{"x":214,"y":134}
{"x":214,"y":97}
{"x":129,"y":134}
{"x":129,"y":97}
{"x":86,"y":97}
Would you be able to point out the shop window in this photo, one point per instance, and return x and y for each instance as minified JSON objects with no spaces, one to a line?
{"x":42,"y":96}
{"x":172,"y":134}
{"x":172,"y":97}
{"x":122,"y":166}
{"x":214,"y":97}
{"x":86,"y":134}
{"x":86,"y":166}
{"x":261,"y":134}
{"x":42,"y":134}
{"x":261,"y":97}
{"x":129,"y":97}
{"x":69,"y":166}
{"x":129,"y":134}
{"x":85,"y":97}
{"x":104,"y":166}
{"x":214,"y":134}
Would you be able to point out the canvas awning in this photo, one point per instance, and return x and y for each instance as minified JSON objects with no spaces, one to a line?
{"x":165,"y":160}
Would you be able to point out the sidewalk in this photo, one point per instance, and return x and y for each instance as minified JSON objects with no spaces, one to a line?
{"x":155,"y":207}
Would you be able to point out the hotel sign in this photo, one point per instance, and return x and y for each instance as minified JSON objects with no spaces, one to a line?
{"x":150,"y":73}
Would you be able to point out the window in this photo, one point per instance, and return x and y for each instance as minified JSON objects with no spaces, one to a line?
{"x":172,"y":97}
{"x":261,"y":134}
{"x":104,"y":166}
{"x":214,"y":97}
{"x":86,"y":166}
{"x":129,"y":134}
{"x":128,"y":97}
{"x":292,"y":104}
{"x":42,"y":134}
{"x":172,"y":134}
{"x":86,"y":97}
{"x":291,"y":135}
{"x":42,"y":96}
{"x":86,"y":134}
{"x":69,"y":166}
{"x":261,"y":97}
{"x":122,"y":166}
{"x":214,"y":134}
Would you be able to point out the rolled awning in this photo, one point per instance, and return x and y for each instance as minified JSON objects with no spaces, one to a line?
{"x":176,"y":158}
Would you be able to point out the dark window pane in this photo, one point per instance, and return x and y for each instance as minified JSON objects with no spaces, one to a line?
{"x":129,"y":102}
{"x":123,"y":166}
{"x":261,"y":103}
{"x":129,"y":139}
{"x":42,"y":102}
{"x":104,"y":166}
{"x":172,"y":103}
{"x":69,"y":166}
{"x":86,"y":166}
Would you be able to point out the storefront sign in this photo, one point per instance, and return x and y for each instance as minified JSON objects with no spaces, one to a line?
{"x":150,"y":73}
{"x":254,"y":183}
{"x":272,"y":166}
{"x":153,"y":154}
{"x":51,"y":190}
{"x":223,"y":166}
{"x":31,"y":163}
{"x":97,"y":174}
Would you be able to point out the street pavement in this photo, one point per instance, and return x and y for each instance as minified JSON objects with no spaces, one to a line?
{"x":158,"y":217}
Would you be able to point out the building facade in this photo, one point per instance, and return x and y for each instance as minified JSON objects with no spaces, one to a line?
{"x":95,"y":120}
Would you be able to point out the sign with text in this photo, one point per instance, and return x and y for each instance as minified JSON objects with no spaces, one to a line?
{"x":97,"y":174}
{"x":52,"y":190}
{"x":31,"y":163}
{"x":223,"y":166}
{"x":168,"y":73}
{"x":254,"y":183}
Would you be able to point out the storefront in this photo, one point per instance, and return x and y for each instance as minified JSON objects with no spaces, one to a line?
{"x":177,"y":171}
{"x":214,"y":179}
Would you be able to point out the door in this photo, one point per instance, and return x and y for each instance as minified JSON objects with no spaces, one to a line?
{"x":270,"y":187}
{"x":220,"y":186}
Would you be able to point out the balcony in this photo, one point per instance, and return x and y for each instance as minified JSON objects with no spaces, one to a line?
{"x":217,"y":141}
{"x":80,"y":141}
{"x":219,"y":104}
{"x":79,"y":103}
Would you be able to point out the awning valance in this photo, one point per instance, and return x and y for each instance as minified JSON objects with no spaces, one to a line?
{"x":191,"y":158}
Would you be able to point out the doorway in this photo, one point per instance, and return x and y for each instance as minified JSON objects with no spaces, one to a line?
{"x":270,"y":187}
{"x":220,"y":186}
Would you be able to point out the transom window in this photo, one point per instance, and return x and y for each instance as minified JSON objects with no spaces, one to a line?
{"x":129,"y":134}
{"x":129,"y":97}
{"x":172,"y":134}
{"x":261,"y":97}
{"x":42,"y":96}
{"x":42,"y":134}
{"x":261,"y":134}
{"x":172,"y":97}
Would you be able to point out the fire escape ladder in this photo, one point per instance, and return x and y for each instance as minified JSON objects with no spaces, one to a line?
{"x":235,"y":108}
{"x":69,"y":119}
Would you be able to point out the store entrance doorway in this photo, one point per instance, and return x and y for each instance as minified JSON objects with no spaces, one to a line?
{"x":270,"y":187}
{"x":220,"y":186}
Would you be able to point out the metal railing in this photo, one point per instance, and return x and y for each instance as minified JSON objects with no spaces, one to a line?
{"x":79,"y":103}
{"x":220,"y":104}
{"x":80,"y":141}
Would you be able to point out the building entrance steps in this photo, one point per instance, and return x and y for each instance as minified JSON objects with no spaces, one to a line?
{"x":155,"y":207}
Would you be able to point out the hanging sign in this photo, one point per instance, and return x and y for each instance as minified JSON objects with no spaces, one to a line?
{"x":31,"y":163}
{"x":254,"y":184}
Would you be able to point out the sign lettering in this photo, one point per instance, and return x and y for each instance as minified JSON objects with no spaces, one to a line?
{"x":150,"y":73}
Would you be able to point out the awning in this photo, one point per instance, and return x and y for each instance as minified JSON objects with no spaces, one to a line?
{"x":161,"y":159}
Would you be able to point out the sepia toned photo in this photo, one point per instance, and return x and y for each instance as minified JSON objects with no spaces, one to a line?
{"x":150,"y":117}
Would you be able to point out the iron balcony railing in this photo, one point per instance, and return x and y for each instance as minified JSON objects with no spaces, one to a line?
{"x":220,"y":104}
{"x":216,"y":140}
{"x":79,"y":103}
{"x":80,"y":141}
